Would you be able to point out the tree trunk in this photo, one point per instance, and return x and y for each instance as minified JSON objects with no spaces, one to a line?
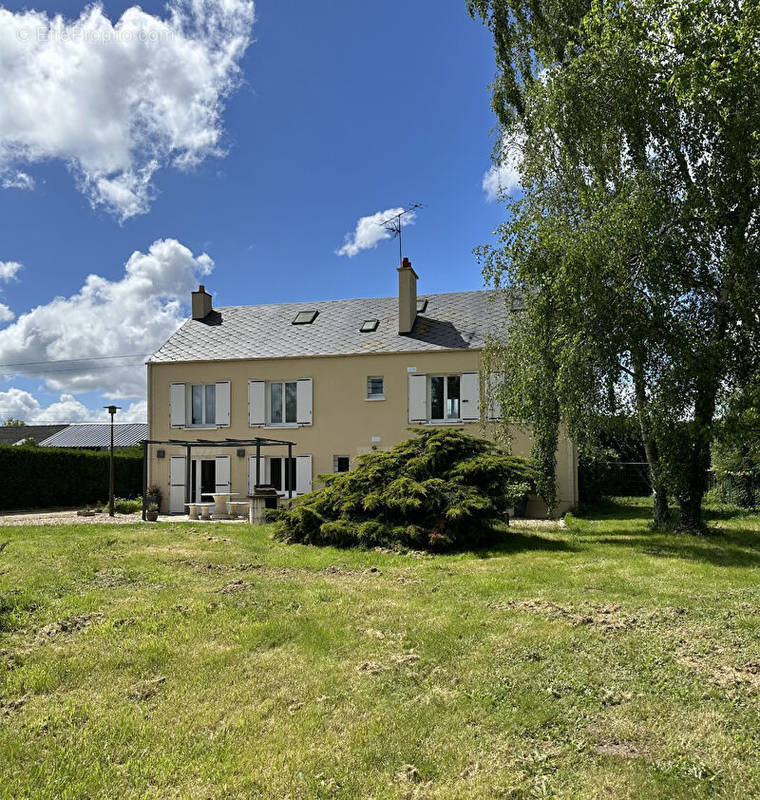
{"x":698,"y":466}
{"x":661,"y":510}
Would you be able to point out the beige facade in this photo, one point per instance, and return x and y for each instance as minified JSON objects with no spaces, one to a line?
{"x":343,"y":420}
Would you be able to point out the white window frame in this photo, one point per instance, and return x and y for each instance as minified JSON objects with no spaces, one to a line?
{"x":189,"y":407}
{"x":443,"y":420}
{"x":284,"y":423}
{"x":375,"y":397}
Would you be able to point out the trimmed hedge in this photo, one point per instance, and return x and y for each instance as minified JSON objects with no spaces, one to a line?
{"x":45,"y":477}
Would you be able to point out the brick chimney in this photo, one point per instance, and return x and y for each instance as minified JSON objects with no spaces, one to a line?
{"x":201,"y":303}
{"x":407,"y":296}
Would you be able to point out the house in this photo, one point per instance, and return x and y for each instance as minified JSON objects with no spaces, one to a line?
{"x":336,"y":378}
{"x":18,"y":434}
{"x":97,"y":435}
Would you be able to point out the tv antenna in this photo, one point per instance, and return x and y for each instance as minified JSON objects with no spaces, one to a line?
{"x":394,"y":225}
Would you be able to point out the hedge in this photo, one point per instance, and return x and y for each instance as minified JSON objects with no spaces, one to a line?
{"x":46,"y":477}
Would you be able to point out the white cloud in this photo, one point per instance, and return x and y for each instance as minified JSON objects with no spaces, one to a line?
{"x":17,"y":180}
{"x":6,"y":315}
{"x":370,"y":231}
{"x":9,"y":270}
{"x":504,"y":176}
{"x":134,"y":314}
{"x":118,"y":101}
{"x":23,"y":405}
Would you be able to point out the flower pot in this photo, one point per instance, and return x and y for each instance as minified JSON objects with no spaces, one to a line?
{"x":151,"y":516}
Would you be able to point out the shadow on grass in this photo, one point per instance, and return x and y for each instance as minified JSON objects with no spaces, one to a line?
{"x":512,"y":542}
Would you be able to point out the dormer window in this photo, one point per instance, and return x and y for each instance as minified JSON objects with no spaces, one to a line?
{"x":305,"y":317}
{"x":369,"y":325}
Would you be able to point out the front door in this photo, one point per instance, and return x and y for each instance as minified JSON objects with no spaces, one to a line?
{"x":203,"y":479}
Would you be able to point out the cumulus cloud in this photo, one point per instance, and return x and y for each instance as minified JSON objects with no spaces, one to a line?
{"x":132,"y":315}
{"x":23,"y":405}
{"x":370,"y":231}
{"x":9,"y":270}
{"x":118,"y":101}
{"x":504,"y":175}
{"x":6,"y":315}
{"x":17,"y":180}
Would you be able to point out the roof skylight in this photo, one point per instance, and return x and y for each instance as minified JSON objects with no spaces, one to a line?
{"x":305,"y":317}
{"x":421,"y":306}
{"x":369,"y":325}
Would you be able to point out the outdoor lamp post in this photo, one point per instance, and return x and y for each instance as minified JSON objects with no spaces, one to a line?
{"x":112,"y":411}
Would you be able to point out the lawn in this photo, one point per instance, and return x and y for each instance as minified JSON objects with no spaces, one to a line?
{"x":207,"y":661}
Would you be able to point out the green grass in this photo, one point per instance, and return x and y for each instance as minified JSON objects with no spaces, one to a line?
{"x":207,"y":661}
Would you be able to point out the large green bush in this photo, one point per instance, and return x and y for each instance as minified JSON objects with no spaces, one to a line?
{"x":46,"y":477}
{"x":439,"y":490}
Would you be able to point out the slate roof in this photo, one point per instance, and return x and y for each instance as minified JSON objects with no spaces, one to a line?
{"x":11,"y":434}
{"x":97,"y":435}
{"x":453,"y":321}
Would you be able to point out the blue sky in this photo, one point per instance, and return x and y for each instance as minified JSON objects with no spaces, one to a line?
{"x":332,"y":111}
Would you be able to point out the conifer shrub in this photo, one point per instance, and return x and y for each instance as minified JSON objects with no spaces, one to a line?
{"x":439,"y":490}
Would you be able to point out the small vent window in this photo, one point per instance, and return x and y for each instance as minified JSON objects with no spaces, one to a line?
{"x":305,"y":317}
{"x":421,"y":306}
{"x":369,"y":325}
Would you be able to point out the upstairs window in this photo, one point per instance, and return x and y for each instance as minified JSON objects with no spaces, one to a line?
{"x":283,"y":403}
{"x":203,"y":404}
{"x":375,"y":388}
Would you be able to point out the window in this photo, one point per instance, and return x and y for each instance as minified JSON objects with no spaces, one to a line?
{"x":421,"y":306}
{"x":445,"y":397}
{"x":283,"y":403}
{"x":341,"y":463}
{"x":282,"y":474}
{"x":203,"y":404}
{"x":305,"y":317}
{"x":369,"y":325}
{"x":375,"y":388}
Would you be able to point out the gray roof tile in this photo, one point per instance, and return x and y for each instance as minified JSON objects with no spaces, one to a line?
{"x":458,"y":320}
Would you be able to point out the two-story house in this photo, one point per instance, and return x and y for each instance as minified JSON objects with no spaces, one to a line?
{"x":336,"y":378}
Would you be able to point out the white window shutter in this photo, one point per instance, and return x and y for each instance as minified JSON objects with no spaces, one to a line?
{"x":257,"y":403}
{"x":303,"y":474}
{"x":417,"y":398}
{"x":177,"y":484}
{"x":493,"y":405}
{"x":177,"y":399}
{"x":223,"y":403}
{"x":305,"y":401}
{"x":252,"y":472}
{"x":222,"y":473}
{"x":470,"y":394}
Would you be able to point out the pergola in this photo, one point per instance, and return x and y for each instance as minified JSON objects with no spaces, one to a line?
{"x":257,"y":443}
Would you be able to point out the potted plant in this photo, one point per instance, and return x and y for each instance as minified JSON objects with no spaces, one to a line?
{"x":151,"y":512}
{"x":153,"y":494}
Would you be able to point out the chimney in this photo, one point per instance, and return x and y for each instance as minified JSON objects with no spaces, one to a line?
{"x":407,"y":296}
{"x":201,"y":303}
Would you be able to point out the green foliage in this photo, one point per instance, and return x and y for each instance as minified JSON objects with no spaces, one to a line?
{"x":440,"y":489}
{"x":45,"y":477}
{"x":12,"y":422}
{"x":123,"y":505}
{"x":635,"y":244}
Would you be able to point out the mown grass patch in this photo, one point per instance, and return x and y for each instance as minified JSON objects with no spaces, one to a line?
{"x":185,"y":661}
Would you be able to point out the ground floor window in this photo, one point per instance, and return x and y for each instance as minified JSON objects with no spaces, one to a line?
{"x":341,"y":463}
{"x":445,"y":397}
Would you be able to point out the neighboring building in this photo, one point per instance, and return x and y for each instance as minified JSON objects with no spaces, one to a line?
{"x":338,"y":378}
{"x":18,"y":434}
{"x":97,"y":435}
